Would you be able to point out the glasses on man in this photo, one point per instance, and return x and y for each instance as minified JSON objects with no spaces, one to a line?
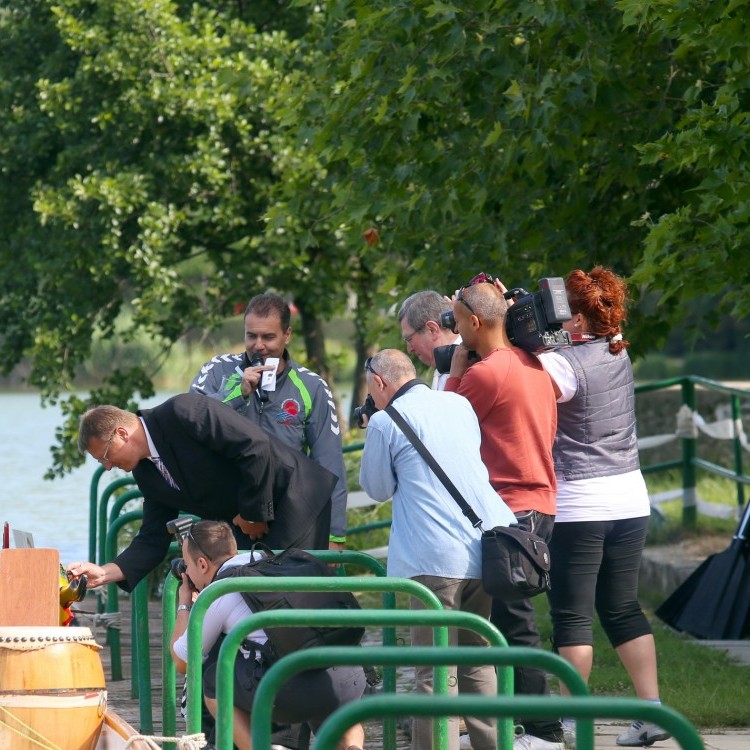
{"x":368,"y":368}
{"x":480,"y":278}
{"x":104,"y":459}
{"x":407,"y":339}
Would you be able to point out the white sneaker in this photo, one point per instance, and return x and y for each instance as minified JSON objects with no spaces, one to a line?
{"x":530,"y":742}
{"x":464,"y":742}
{"x":569,"y":736}
{"x":642,"y":734}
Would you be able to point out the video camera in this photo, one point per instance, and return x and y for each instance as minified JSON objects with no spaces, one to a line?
{"x":533,"y":322}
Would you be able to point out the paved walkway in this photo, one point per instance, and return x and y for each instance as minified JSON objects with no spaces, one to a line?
{"x":717,"y":739}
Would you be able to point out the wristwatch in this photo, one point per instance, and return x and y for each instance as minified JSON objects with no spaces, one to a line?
{"x":184,"y":607}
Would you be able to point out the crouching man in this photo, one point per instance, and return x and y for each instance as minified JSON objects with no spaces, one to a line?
{"x":309,"y":697}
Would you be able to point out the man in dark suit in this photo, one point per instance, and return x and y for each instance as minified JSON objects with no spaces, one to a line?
{"x":191,"y":454}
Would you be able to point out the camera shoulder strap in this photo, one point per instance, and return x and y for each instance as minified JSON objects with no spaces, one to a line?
{"x":406,"y":428}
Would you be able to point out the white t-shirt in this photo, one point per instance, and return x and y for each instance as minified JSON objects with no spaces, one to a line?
{"x":597,"y":498}
{"x":222,"y":615}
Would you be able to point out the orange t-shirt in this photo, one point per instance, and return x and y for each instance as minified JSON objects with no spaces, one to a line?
{"x":515,"y":404}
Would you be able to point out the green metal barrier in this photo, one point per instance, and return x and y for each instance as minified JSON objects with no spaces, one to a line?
{"x":227,"y":586}
{"x":110,"y":550}
{"x":579,"y":707}
{"x":109,"y":490}
{"x":689,"y":462}
{"x":93,"y":505}
{"x":504,"y":658}
{"x":171,"y":584}
{"x":121,"y":501}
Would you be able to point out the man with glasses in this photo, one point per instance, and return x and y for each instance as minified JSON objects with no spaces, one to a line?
{"x":419,"y":318}
{"x":431,"y":541}
{"x":193,"y":455}
{"x":515,"y":404}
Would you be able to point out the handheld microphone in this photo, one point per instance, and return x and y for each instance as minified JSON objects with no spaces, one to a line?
{"x":261,"y":393}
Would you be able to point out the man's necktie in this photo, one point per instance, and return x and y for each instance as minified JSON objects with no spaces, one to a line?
{"x":164,"y":472}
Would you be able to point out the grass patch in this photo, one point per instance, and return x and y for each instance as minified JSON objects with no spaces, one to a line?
{"x":699,"y":682}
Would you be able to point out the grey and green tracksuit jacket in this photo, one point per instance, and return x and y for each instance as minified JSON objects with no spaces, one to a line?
{"x":300,"y":413}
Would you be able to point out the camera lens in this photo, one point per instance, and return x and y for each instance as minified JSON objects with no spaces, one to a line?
{"x":178,"y":567}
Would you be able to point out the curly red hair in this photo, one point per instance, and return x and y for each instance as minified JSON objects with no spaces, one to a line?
{"x":600,"y":296}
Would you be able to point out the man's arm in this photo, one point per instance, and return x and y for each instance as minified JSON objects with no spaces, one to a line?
{"x":376,"y":473}
{"x":221,"y":379}
{"x":97,"y":575}
{"x":323,"y":436}
{"x":149,"y":546}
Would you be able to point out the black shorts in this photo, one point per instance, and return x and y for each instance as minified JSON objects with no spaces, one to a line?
{"x":309,"y":696}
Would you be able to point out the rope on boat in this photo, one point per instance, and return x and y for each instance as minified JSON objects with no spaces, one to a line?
{"x":186,"y":742}
{"x":107,"y":619}
{"x":43,"y":742}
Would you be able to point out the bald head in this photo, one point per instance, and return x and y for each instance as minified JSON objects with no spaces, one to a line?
{"x":388,"y":370}
{"x":487,"y":302}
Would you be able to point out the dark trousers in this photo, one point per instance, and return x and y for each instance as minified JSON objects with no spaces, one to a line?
{"x":595,"y":564}
{"x":515,"y":620}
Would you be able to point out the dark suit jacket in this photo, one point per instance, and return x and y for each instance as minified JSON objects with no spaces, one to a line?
{"x":224,"y":464}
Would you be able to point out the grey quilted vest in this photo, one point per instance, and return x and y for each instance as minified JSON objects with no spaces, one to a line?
{"x":596,"y":428}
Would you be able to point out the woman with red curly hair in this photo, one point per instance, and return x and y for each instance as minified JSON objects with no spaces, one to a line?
{"x":602,"y":501}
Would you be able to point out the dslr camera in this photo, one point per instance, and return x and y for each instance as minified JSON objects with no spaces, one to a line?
{"x":444,"y":354}
{"x":533,"y":322}
{"x":366,"y":410}
{"x":177,"y":567}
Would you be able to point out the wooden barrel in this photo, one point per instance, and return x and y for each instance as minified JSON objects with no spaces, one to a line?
{"x":52,"y":692}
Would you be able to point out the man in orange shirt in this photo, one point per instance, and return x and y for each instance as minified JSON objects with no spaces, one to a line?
{"x":515,"y":404}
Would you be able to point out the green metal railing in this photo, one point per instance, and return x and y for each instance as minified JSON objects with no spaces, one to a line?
{"x":98,"y":512}
{"x":171,"y":584}
{"x":353,"y":584}
{"x":689,"y":461}
{"x":578,"y":707}
{"x":497,"y":653}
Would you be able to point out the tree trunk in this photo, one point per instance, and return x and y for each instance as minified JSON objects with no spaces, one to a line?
{"x":315,"y":348}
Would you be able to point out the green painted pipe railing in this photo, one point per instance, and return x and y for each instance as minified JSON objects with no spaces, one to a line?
{"x":109,"y":490}
{"x":121,"y":501}
{"x":579,"y":707}
{"x":503,"y":657}
{"x":110,"y":552}
{"x":689,"y":461}
{"x":169,"y":600}
{"x":351,"y":655}
{"x":358,"y":584}
{"x":93,"y":507}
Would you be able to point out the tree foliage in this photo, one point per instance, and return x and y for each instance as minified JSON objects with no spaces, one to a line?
{"x":493,"y":135}
{"x":170,"y":158}
{"x":138,"y":158}
{"x":701,"y":246}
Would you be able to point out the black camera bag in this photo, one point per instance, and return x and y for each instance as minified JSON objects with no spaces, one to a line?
{"x":296,"y":562}
{"x":515,"y":563}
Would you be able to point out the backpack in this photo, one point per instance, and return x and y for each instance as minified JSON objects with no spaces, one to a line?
{"x":296,"y":562}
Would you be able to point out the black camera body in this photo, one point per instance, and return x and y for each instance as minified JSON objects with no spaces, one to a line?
{"x":444,"y":355}
{"x":534,"y":321}
{"x":366,"y":410}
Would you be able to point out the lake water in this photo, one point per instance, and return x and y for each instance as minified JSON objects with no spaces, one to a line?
{"x":56,"y":512}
